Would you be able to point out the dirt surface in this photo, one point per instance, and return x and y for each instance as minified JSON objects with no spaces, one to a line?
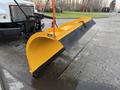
{"x":92,"y":64}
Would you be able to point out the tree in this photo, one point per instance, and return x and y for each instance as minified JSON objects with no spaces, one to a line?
{"x":112,"y":5}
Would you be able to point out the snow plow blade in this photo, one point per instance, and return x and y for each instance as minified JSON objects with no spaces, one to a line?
{"x":42,"y":46}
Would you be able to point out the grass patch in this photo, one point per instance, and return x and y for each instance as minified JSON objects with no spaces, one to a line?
{"x":70,"y":14}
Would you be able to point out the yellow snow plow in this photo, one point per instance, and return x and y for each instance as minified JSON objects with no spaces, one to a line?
{"x":42,"y":46}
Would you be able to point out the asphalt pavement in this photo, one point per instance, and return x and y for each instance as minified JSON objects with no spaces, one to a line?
{"x":92,"y":64}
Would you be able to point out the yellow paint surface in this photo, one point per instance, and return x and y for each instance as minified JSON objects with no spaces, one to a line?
{"x":42,"y":45}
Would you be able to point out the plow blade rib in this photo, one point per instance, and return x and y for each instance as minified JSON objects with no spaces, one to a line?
{"x":41,"y":46}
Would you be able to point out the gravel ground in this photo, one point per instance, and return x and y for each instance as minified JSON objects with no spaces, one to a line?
{"x":96,"y":66}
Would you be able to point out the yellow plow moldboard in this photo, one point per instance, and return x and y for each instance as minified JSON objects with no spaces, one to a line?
{"x":41,"y":46}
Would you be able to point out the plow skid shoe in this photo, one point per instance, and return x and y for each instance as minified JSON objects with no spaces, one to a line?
{"x":42,"y":46}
